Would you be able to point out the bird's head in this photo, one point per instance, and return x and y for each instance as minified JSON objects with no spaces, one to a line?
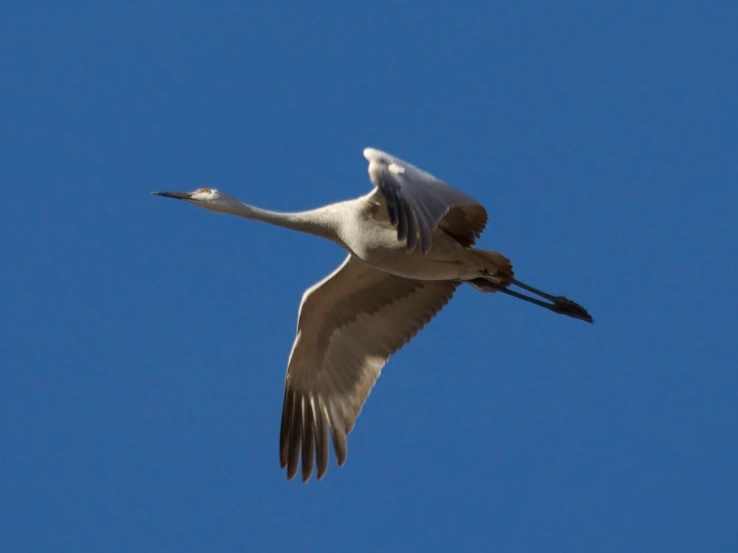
{"x":209,"y":198}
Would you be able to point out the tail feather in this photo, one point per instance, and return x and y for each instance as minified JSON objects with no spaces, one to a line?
{"x":498,"y":271}
{"x":484,"y":285}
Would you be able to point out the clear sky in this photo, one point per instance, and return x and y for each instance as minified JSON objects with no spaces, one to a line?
{"x":143,"y":341}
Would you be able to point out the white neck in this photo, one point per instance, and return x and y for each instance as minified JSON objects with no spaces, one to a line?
{"x":321,"y":222}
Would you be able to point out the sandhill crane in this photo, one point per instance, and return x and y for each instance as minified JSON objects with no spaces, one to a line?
{"x":410,"y":245}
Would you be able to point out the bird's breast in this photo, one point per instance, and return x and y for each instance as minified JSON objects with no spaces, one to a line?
{"x":376,"y":244}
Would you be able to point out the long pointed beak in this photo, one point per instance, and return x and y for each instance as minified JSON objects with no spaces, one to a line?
{"x":175,"y":195}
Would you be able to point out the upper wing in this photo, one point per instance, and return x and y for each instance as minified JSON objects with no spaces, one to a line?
{"x":348,"y":326}
{"x":417,"y":202}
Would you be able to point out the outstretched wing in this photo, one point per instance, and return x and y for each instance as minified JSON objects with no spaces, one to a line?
{"x":349,"y":324}
{"x":418,"y":203}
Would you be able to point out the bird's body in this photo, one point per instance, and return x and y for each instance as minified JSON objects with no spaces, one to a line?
{"x":363,"y":229}
{"x":410,"y":244}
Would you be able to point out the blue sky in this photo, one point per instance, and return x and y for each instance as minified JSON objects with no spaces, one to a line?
{"x":143,"y":342}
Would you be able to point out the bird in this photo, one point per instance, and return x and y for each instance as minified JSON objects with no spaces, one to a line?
{"x":410,"y":243}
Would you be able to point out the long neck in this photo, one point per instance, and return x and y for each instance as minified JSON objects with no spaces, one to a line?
{"x":318,"y":222}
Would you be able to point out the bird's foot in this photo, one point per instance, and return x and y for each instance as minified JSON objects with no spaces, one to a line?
{"x":564,"y":306}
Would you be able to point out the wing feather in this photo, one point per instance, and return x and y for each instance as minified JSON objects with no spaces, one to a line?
{"x":417,"y":203}
{"x":308,"y":438}
{"x":321,"y":439}
{"x":293,"y":459}
{"x":349,"y":324}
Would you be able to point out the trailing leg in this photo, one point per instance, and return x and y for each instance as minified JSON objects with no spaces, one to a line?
{"x":498,"y":276}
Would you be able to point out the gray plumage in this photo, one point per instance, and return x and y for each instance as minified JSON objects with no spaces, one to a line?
{"x":410,"y":246}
